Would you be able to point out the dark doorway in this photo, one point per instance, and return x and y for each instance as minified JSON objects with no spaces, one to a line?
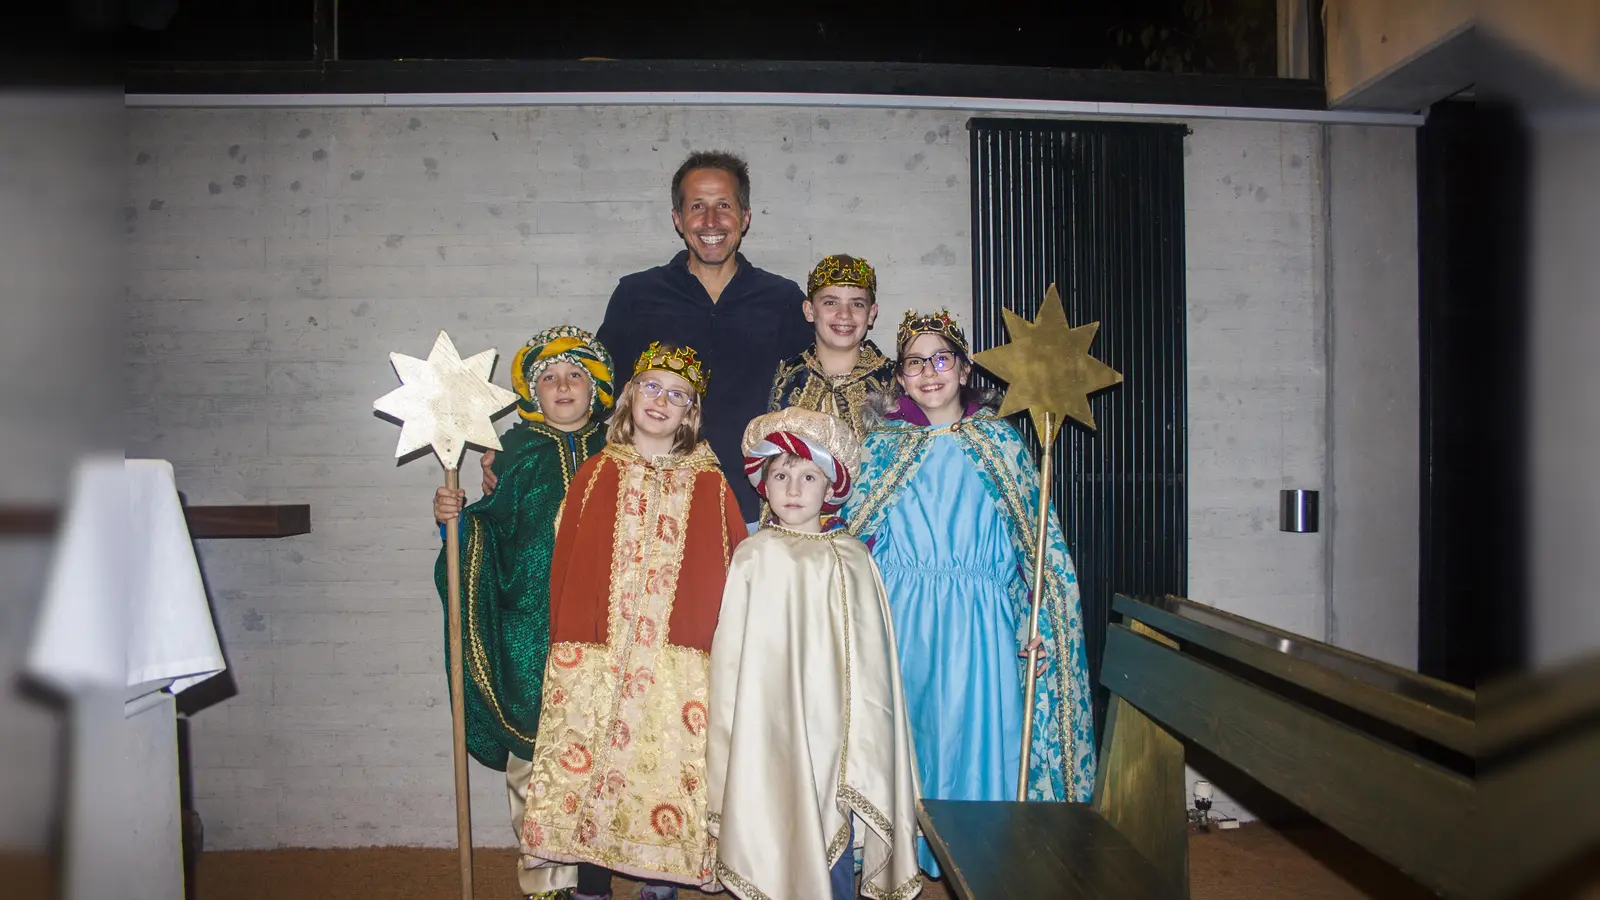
{"x":1472,"y":233}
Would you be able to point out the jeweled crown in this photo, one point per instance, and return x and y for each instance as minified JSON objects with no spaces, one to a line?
{"x":846,"y":270}
{"x":680,"y":361}
{"x":939,"y":323}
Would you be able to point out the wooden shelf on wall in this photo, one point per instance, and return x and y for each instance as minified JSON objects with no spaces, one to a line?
{"x":204,"y":521}
{"x":248,"y":521}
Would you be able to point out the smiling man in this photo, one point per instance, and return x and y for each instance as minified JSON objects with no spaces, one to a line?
{"x":742,"y":320}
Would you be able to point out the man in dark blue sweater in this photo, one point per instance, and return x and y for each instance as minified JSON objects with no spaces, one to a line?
{"x":743,"y":321}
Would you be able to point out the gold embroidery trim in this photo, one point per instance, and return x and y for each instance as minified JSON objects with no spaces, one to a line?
{"x":808,"y":535}
{"x":587,"y":488}
{"x":729,"y":876}
{"x":866,"y":810}
{"x":836,"y":847}
{"x":910,"y":888}
{"x":478,"y":656}
{"x":722,"y":523}
{"x":895,"y":476}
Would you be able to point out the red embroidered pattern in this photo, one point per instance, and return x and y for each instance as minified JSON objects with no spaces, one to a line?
{"x":634,"y":683}
{"x":567,"y":657}
{"x":667,"y":820}
{"x":632,"y":550}
{"x":694,"y":717}
{"x":644,"y":629}
{"x":633,"y":502}
{"x":577,"y":759}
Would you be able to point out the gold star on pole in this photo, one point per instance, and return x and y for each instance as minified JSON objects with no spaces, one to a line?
{"x":1047,"y":368}
{"x":445,"y":402}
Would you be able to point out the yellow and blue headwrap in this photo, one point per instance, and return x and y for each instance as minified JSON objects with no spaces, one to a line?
{"x":563,"y":343}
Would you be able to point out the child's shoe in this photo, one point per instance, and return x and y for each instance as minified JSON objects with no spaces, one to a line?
{"x":658,"y":892}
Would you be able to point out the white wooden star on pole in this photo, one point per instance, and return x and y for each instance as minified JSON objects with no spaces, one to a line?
{"x":445,"y":402}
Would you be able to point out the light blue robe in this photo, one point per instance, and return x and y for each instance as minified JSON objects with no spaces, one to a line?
{"x":950,"y":513}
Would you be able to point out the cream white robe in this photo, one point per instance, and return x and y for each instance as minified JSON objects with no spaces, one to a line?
{"x":808,"y":723}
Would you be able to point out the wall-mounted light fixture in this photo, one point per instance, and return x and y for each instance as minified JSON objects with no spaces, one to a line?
{"x":1297,"y":511}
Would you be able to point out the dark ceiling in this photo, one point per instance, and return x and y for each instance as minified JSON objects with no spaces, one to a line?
{"x":1062,"y":34}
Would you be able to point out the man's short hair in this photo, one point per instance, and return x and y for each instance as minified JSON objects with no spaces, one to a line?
{"x":713,"y":159}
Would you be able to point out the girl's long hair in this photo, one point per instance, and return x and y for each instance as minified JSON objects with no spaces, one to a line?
{"x":620,"y":429}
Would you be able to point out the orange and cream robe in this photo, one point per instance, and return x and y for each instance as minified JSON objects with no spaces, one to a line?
{"x":619,"y":767}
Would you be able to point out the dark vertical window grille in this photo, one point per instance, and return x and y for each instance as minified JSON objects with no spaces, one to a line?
{"x":1097,"y":209}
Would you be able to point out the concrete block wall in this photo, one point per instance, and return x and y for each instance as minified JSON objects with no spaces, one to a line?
{"x":1255,"y":247}
{"x":1374,"y":360}
{"x":276,"y":257}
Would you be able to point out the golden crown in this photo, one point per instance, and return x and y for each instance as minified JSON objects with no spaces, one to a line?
{"x":939,"y":323}
{"x":846,"y":270}
{"x":680,"y":361}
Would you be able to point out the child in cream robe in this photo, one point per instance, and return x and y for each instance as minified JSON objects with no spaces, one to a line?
{"x":809,"y":749}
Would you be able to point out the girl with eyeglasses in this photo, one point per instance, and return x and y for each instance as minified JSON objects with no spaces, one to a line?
{"x":948,"y":503}
{"x":642,"y":548}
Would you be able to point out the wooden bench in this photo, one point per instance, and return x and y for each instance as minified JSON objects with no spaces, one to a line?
{"x":1539,"y":784}
{"x":1378,"y":753}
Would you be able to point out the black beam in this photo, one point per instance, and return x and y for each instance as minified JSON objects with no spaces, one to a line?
{"x":324,"y":31}
{"x":611,"y":76}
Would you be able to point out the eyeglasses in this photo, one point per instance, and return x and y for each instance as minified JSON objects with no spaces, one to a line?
{"x":943,"y":361}
{"x":653,"y":389}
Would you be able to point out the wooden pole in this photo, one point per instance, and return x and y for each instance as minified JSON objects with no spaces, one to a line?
{"x":1046,"y":469}
{"x":458,"y":707}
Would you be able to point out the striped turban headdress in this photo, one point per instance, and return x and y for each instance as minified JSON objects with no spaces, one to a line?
{"x":825,"y":440}
{"x":563,"y":343}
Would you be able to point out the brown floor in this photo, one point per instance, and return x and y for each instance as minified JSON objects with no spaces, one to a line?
{"x":1253,"y":863}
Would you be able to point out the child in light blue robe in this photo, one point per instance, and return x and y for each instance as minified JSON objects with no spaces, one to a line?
{"x":947,"y":500}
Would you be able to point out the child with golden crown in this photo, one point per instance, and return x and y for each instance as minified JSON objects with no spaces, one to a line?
{"x":642,"y":547}
{"x":838,"y":373}
{"x":810,"y":748}
{"x":948,"y":505}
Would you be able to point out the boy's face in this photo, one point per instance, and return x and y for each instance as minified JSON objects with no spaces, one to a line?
{"x":842,"y":315}
{"x":565,"y":394}
{"x":795,"y":490}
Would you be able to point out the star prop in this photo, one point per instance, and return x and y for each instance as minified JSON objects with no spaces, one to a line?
{"x":445,"y":401}
{"x":1047,"y":367}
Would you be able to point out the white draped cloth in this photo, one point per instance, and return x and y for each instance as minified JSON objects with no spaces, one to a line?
{"x":125,"y":607}
{"x":123,"y":626}
{"x":808,"y":723}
